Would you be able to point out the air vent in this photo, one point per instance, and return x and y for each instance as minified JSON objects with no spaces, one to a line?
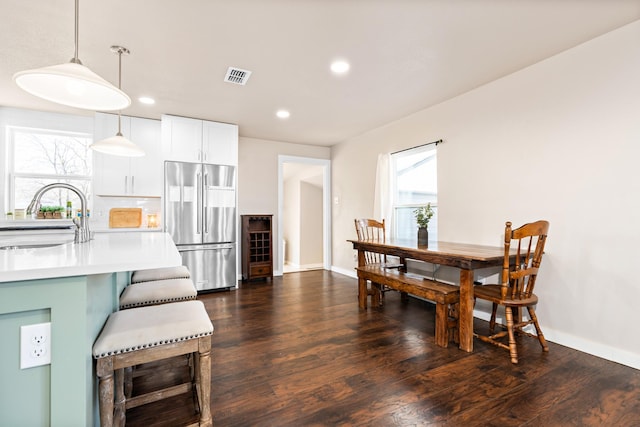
{"x":237,"y":76}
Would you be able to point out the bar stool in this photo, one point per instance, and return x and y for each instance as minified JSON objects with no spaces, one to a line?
{"x":152,"y":287}
{"x":147,"y":334}
{"x":157,"y":292}
{"x":179,"y":272}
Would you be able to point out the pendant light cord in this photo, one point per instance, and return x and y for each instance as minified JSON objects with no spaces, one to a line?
{"x":75,"y":59}
{"x":119,"y":50}
{"x":119,"y":84}
{"x":53,"y":83}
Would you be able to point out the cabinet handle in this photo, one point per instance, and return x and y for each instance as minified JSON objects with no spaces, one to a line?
{"x":133,"y":184}
{"x":126,"y":183}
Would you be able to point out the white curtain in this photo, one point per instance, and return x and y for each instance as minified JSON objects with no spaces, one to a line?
{"x":382,"y":197}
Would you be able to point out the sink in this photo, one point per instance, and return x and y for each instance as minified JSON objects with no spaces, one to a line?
{"x":31,"y":246}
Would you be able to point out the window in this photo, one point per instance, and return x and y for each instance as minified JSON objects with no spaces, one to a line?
{"x":39,"y":157}
{"x":414,"y":183}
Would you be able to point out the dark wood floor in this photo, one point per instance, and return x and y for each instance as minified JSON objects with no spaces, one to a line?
{"x":299,"y":352}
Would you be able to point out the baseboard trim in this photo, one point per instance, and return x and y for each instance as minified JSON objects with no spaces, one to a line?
{"x":351,"y":273}
{"x":606,"y":352}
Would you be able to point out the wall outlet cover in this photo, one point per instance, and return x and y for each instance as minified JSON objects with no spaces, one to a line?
{"x":35,"y":345}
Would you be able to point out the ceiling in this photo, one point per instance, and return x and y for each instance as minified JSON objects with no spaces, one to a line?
{"x":405,"y":55}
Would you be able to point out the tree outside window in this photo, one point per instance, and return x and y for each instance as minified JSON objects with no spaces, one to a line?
{"x":41,"y":157}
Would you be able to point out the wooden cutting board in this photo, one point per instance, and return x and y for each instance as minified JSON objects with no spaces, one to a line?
{"x":125,"y":217}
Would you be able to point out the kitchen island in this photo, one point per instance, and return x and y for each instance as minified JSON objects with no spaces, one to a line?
{"x":75,"y":287}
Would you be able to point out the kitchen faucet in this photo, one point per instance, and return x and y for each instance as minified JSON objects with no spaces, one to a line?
{"x":82,"y":233}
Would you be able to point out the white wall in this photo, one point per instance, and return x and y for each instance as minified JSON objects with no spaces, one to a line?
{"x":310,"y":224}
{"x":302,"y":214}
{"x":258,"y":176}
{"x":291,"y":217}
{"x":559,"y":140}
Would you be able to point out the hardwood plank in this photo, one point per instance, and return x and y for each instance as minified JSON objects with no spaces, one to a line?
{"x":299,"y":352}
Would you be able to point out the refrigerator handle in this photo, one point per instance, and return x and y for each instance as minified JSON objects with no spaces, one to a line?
{"x":199,"y":205}
{"x":205,"y":208}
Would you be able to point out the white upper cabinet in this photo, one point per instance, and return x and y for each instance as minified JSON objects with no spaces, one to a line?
{"x":182,"y":138}
{"x":220,"y":143}
{"x":129,"y":176}
{"x":147,"y":172}
{"x":193,"y":140}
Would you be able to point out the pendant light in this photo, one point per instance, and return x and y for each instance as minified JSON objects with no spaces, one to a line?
{"x":72,"y":84}
{"x":118,"y":145}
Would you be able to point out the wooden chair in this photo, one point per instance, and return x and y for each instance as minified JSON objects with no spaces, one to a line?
{"x":370,"y":229}
{"x":516,"y":289}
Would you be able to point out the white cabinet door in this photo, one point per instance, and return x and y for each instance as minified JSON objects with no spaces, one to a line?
{"x":146,"y":172}
{"x":193,"y":140}
{"x":110,"y":173}
{"x":128,"y":176}
{"x":182,"y":138}
{"x":220,"y":143}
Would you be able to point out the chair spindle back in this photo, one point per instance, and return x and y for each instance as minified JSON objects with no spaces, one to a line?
{"x":371,"y":230}
{"x":519,"y":278}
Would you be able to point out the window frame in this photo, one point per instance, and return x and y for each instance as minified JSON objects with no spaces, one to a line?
{"x":11,"y":173}
{"x":395,"y":205}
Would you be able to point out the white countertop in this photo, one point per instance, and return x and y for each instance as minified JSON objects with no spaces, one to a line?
{"x":44,"y":226}
{"x":107,"y":253}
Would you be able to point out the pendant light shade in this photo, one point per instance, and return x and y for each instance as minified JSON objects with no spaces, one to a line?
{"x":118,"y":145}
{"x":72,"y":84}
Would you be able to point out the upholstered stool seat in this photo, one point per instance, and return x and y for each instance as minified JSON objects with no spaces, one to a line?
{"x":146,"y":334}
{"x":157,"y":292}
{"x":179,"y":272}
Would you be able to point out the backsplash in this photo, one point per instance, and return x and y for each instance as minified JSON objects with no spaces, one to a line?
{"x":102,"y":205}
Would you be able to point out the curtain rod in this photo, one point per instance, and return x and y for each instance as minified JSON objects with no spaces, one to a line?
{"x":418,"y":146}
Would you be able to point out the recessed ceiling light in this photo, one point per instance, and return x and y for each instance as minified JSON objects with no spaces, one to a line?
{"x":340,"y":67}
{"x":283,"y":114}
{"x":147,"y":100}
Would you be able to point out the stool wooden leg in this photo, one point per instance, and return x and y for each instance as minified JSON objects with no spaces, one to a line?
{"x":119,"y":416}
{"x":191,"y":364}
{"x":104,"y":369}
{"x":203,"y":380}
{"x":128,"y":381}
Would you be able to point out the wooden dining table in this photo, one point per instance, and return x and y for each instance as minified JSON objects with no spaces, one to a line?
{"x":466,"y":257}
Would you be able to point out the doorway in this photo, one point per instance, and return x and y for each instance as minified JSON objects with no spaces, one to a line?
{"x":304,"y":216}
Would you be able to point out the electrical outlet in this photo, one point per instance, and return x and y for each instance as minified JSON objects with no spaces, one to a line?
{"x":38,"y":339}
{"x":38,"y":352}
{"x":35,"y":345}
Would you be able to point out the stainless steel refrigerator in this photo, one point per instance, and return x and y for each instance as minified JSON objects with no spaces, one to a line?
{"x":200,"y":216}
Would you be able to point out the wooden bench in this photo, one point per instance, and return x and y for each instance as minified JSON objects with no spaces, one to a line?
{"x":446,"y":296}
